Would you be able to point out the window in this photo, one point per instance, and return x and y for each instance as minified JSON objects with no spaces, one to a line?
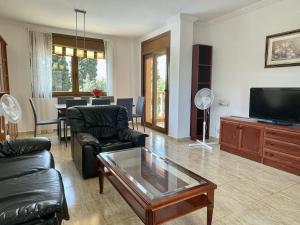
{"x":91,"y":74}
{"x":77,"y":72}
{"x":61,"y":73}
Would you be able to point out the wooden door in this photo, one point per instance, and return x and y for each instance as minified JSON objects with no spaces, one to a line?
{"x":148,"y":88}
{"x":155,"y":83}
{"x":229,"y":134}
{"x":251,"y":139}
{"x":155,"y":70}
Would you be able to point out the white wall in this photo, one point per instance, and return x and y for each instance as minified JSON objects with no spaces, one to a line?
{"x":185,"y":76}
{"x":124,"y":69}
{"x":238,"y":55}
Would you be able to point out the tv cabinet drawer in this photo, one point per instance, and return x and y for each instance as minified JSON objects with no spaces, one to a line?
{"x":281,"y":161}
{"x":283,"y":147}
{"x":282,"y":135}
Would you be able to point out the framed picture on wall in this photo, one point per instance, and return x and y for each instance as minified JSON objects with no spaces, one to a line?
{"x":283,"y":49}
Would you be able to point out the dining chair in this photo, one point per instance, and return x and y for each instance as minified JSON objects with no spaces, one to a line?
{"x":71,"y":103}
{"x":139,"y":111}
{"x":87,"y":98}
{"x":61,"y":114}
{"x":75,"y":102}
{"x":62,"y":99}
{"x":43,"y":122}
{"x":111,"y":98}
{"x":100,"y":101}
{"x":128,"y":104}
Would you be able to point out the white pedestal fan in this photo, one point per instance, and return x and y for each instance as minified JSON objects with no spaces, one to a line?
{"x":203,"y":100}
{"x":11,"y":110}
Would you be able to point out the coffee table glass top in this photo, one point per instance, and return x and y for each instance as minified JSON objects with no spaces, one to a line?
{"x":150,"y":174}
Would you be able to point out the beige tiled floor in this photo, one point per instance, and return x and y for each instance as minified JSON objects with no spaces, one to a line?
{"x":248,"y":192}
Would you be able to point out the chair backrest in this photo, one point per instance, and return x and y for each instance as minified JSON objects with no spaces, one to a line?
{"x":87,"y":98}
{"x":100,"y":101}
{"x":100,"y":121}
{"x":111,"y":98}
{"x":75,"y":102}
{"x":128,"y":104}
{"x":140,"y":105}
{"x":62,"y":99}
{"x":33,"y":110}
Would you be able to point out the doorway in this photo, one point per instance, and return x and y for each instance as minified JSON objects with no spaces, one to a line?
{"x":155,"y":86}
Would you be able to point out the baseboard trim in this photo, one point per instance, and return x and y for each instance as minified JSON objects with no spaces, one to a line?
{"x":50,"y":131}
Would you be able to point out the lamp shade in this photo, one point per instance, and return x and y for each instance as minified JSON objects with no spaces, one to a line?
{"x":80,"y":53}
{"x":58,"y":50}
{"x":90,"y":54}
{"x":100,"y":55}
{"x":69,"y":51}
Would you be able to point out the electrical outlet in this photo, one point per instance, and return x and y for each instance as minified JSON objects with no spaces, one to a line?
{"x":224,"y":102}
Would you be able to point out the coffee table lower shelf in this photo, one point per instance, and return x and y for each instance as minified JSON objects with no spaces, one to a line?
{"x":160,"y":213}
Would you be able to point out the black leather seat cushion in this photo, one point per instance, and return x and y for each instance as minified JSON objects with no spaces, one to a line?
{"x":25,"y":164}
{"x":33,"y":197}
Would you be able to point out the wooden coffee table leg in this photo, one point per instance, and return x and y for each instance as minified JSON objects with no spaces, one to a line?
{"x":101,"y":177}
{"x":149,"y":218}
{"x":210,"y":207}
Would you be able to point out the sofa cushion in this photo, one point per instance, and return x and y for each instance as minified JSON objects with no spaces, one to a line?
{"x":32,"y":197}
{"x":25,"y":164}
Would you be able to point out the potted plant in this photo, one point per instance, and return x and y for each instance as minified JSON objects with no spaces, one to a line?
{"x":97,"y":92}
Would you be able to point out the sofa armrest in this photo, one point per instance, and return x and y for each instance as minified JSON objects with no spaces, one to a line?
{"x":85,"y":149}
{"x":137,"y":138}
{"x":23,"y":146}
{"x":87,"y":139}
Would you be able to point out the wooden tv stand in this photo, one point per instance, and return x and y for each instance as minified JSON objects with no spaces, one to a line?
{"x":272,"y":145}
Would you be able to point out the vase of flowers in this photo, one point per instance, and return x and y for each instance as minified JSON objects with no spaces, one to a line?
{"x":97,"y":92}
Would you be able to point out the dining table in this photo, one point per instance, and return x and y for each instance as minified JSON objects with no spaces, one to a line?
{"x":63,"y":107}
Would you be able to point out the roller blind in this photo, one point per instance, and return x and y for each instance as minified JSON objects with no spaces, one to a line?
{"x":156,"y":44}
{"x":66,"y":45}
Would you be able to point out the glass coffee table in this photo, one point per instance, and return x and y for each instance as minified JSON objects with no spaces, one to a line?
{"x":157,"y":189}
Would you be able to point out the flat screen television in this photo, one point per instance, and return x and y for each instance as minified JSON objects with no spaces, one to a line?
{"x":277,"y":105}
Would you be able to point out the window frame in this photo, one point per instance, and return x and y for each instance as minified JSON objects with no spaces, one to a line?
{"x":75,"y":82}
{"x":69,"y":41}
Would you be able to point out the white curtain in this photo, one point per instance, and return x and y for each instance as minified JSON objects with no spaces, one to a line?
{"x":40,"y":48}
{"x":109,"y":51}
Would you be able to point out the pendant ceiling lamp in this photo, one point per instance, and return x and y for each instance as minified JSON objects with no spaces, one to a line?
{"x":79,"y":49}
{"x":80,"y":52}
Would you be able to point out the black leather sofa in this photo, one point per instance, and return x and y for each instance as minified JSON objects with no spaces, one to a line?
{"x":98,"y":129}
{"x":31,"y":190}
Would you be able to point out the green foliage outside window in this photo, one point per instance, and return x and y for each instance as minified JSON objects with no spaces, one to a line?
{"x":88,"y":75}
{"x":61,"y":75}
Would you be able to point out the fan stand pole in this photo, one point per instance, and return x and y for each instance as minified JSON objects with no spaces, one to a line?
{"x":203,"y":142}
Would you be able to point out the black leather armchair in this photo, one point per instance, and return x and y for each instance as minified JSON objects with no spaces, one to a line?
{"x":98,"y":129}
{"x":31,"y":190}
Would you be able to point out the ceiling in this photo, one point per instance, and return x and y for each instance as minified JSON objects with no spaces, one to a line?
{"x":115,"y":17}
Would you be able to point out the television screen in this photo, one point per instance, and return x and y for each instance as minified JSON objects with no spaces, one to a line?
{"x":276,"y":104}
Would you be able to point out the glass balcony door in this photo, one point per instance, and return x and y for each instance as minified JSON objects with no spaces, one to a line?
{"x":155,"y":82}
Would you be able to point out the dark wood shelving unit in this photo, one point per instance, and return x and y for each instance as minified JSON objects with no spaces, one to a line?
{"x":201,"y":78}
{"x":4,"y":81}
